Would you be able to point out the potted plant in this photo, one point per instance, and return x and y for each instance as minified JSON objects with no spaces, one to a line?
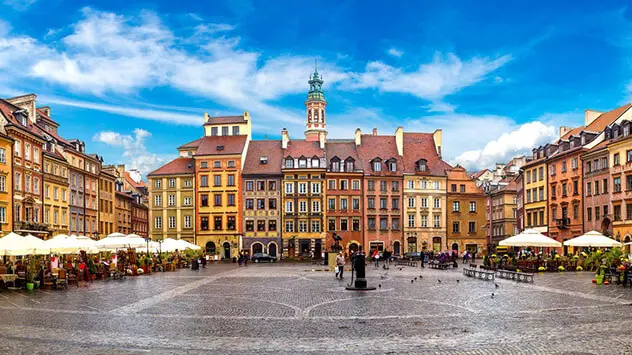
{"x":32,"y":273}
{"x":600,"y":275}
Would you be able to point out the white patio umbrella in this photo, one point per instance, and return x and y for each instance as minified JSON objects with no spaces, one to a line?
{"x":136,"y":241}
{"x":170,"y":244}
{"x":530,"y":238}
{"x":592,"y":239}
{"x":86,"y":243}
{"x":36,"y":244}
{"x":187,"y":245}
{"x":13,"y":244}
{"x":113,"y":241}
{"x":60,"y":244}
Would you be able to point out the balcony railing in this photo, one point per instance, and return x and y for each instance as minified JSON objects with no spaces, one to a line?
{"x":563,"y":223}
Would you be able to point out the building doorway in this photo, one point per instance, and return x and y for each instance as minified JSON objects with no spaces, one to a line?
{"x":226,"y":246}
{"x":379,"y":246}
{"x":257,"y":248}
{"x":455,"y":246}
{"x":272,"y":250}
{"x":303,"y":246}
{"x":210,"y":248}
{"x":397,"y":248}
{"x":436,"y":244}
{"x":318,"y":249}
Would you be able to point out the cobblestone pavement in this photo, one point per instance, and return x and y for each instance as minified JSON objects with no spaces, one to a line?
{"x":294,"y":308}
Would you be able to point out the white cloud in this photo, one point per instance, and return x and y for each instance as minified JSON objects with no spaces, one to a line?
{"x":171,"y":116}
{"x":19,"y":5}
{"x":445,"y":75}
{"x":135,"y":154}
{"x":395,"y":52}
{"x":440,"y":106}
{"x":514,"y":143}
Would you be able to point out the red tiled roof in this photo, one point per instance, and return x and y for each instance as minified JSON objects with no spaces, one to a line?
{"x":193,"y":144}
{"x":226,"y":144}
{"x":7,"y":109}
{"x":300,"y":147}
{"x":265,"y":148}
{"x":478,"y":174}
{"x":180,"y":165}
{"x":377,"y":146}
{"x":225,"y":120}
{"x":343,"y":150}
{"x":421,"y":146}
{"x":55,"y":155}
{"x":131,"y":181}
{"x":43,"y":115}
{"x":600,"y":123}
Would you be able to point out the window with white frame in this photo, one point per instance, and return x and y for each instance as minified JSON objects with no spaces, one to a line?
{"x":289,"y":188}
{"x":316,"y":187}
{"x":3,"y":183}
{"x":355,"y":184}
{"x":172,"y":182}
{"x":158,"y":222}
{"x":436,"y":221}
{"x":411,"y":221}
{"x":437,"y":202}
{"x":316,"y":206}
{"x":302,"y":206}
{"x":172,"y":200}
{"x":3,"y":155}
{"x":157,"y":183}
{"x":424,"y":221}
{"x":316,"y":226}
{"x":302,"y":188}
{"x":302,"y":226}
{"x":411,"y":184}
{"x":172,"y":222}
{"x":289,"y":226}
{"x":187,"y":201}
{"x":157,"y":200}
{"x":411,"y":202}
{"x":424,"y":202}
{"x":187,"y":221}
{"x":289,"y":206}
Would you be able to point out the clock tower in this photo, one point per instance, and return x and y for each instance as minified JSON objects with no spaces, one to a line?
{"x":315,"y":105}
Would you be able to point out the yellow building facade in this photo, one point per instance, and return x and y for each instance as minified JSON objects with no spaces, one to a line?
{"x":172,"y":201}
{"x":620,"y":215}
{"x":535,"y":193}
{"x":56,"y":192}
{"x":425,"y":213}
{"x":107,"y":201}
{"x":6,"y":184}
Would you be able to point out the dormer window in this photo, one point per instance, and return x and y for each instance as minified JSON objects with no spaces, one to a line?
{"x":349,"y":165}
{"x":392,"y":165}
{"x":315,"y":162}
{"x":302,"y":163}
{"x":422,"y":165}
{"x":289,"y":163}
{"x":263,"y":160}
{"x":626,"y":130}
{"x":377,"y":165}
{"x":220,"y":148}
{"x":335,"y":164}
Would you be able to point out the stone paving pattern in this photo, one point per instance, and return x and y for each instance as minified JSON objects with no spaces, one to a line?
{"x":291,"y":308}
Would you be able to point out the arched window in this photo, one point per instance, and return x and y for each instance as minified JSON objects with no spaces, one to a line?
{"x":315,"y":162}
{"x":289,"y":163}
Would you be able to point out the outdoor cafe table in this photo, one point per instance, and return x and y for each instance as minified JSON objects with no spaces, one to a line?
{"x":8,"y":278}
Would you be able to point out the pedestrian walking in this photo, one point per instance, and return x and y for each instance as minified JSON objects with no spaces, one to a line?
{"x":246,"y":259}
{"x":240,"y":258}
{"x":340,"y":265}
{"x":376,"y":258}
{"x":204,"y":261}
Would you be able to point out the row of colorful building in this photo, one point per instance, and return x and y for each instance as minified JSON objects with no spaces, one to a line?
{"x":50,"y":185}
{"x":228,"y":192}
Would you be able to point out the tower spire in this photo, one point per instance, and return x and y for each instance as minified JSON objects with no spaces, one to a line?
{"x":315,"y":105}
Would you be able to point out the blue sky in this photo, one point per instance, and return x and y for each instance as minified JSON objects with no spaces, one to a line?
{"x":133,"y":79}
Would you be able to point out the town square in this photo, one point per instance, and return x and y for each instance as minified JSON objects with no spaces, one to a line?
{"x":367,"y":177}
{"x":269,"y":308}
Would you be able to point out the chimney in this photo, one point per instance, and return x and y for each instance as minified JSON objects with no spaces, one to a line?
{"x":206,"y":117}
{"x":399,"y":140}
{"x":590,"y":116}
{"x":321,"y":139}
{"x":45,"y":110}
{"x":285,"y":138}
{"x":374,"y":131}
{"x":26,"y":102}
{"x":437,"y":136}
{"x":358,"y":136}
{"x":564,"y":130}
